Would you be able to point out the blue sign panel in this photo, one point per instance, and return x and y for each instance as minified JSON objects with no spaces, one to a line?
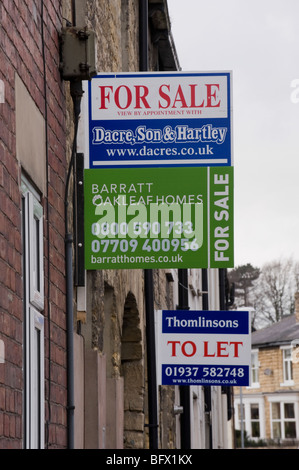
{"x":204,"y":322}
{"x":228,"y":375}
{"x":160,"y":119}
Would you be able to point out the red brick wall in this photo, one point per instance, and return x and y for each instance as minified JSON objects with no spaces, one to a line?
{"x":21,"y":51}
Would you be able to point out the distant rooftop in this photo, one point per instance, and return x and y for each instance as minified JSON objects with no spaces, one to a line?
{"x":282,"y":332}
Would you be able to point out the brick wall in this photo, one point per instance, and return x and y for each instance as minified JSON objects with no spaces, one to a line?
{"x":21,"y":53}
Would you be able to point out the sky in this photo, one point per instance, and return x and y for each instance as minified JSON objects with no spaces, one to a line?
{"x":258,"y":40}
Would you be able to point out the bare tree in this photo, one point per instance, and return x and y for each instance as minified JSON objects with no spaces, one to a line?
{"x":274,"y":291}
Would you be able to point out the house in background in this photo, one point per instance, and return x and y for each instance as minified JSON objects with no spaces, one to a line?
{"x":268,"y":410}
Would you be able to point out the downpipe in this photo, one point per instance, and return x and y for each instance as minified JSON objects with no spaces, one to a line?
{"x":76,"y":93}
{"x":148,"y":273}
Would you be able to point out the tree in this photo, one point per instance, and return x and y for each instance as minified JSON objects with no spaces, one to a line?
{"x":274,"y":291}
{"x":243,"y":278}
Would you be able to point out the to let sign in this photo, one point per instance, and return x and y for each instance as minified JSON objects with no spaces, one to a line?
{"x":203,"y":348}
{"x":160,"y":119}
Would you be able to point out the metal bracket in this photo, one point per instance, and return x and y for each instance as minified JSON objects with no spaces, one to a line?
{"x":77,"y":53}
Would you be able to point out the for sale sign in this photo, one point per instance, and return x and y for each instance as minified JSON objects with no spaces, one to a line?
{"x":160,"y":119}
{"x":158,"y":218}
{"x":203,"y":348}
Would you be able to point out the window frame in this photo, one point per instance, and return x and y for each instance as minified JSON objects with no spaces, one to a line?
{"x":255,"y":364}
{"x":33,"y":305}
{"x":37,"y":374}
{"x":282,"y":420}
{"x":36,"y":251}
{"x":255,"y":420}
{"x":287,"y":366}
{"x":247,"y":401}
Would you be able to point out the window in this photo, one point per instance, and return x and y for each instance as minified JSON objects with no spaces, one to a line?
{"x":250,"y":416}
{"x":36,"y":252}
{"x":287,"y":366}
{"x":276,"y":421}
{"x":254,"y":369}
{"x":36,"y":379}
{"x":255,"y":420}
{"x":33,"y":285}
{"x":283,"y":421}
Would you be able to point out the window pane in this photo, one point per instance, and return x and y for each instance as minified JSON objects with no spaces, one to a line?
{"x":290,"y":429}
{"x":36,"y":255}
{"x":287,"y":353}
{"x":287,"y":365}
{"x":254,"y":367}
{"x":289,"y":411}
{"x":255,"y":429}
{"x":254,"y":410}
{"x":291,"y":370}
{"x":275,"y":410}
{"x":276,"y":430}
{"x":254,"y":359}
{"x":254,"y":375}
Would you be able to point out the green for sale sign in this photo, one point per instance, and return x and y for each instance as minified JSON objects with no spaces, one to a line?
{"x":158,"y":218}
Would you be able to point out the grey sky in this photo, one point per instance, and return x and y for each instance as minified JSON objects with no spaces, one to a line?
{"x":258,"y":40}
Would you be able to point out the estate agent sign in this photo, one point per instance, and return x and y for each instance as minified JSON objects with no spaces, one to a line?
{"x":161,"y":119}
{"x":159,"y":218}
{"x":159,"y":188}
{"x":203,"y":348}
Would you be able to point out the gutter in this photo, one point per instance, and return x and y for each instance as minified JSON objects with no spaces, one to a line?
{"x":271,"y":345}
{"x":148,"y":273}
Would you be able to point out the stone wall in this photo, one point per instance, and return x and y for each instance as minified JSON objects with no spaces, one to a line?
{"x":115,"y":327}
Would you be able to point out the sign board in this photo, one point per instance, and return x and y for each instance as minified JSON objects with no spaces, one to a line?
{"x":203,"y":347}
{"x":160,"y":119}
{"x":158,"y":218}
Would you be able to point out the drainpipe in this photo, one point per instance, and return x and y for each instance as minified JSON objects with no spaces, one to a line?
{"x":226,"y":300}
{"x":148,"y":273}
{"x":184,"y":390}
{"x":207,"y":390}
{"x":76,"y":93}
{"x":70,"y":358}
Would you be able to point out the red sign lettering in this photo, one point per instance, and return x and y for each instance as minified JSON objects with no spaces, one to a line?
{"x":179,"y":97}
{"x":221,"y":349}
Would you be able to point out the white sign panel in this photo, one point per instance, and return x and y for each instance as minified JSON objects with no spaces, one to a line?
{"x":159,"y":96}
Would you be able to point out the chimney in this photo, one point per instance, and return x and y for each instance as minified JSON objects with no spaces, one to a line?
{"x":297,"y":306}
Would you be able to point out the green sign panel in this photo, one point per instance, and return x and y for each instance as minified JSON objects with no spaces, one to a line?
{"x":153,"y":218}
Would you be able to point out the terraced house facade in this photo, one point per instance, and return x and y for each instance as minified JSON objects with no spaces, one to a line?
{"x":75,"y":346}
